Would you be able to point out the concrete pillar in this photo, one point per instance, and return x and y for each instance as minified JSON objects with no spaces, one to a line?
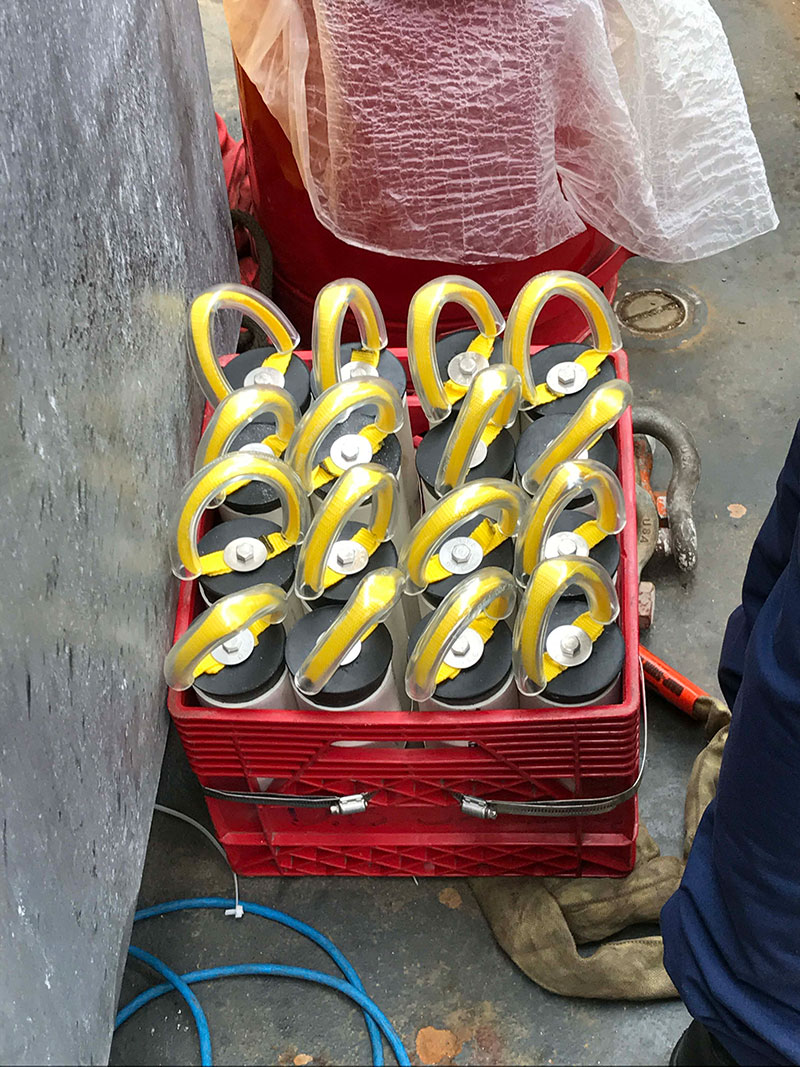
{"x":113,"y":215}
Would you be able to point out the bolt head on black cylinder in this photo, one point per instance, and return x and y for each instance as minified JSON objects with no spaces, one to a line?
{"x":481,"y":681}
{"x":498,"y":463}
{"x":241,"y":683}
{"x":297,"y":380}
{"x":351,"y":682}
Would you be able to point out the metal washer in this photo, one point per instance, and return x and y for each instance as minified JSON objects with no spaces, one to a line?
{"x":455,"y":566}
{"x":553,"y":646}
{"x":553,"y":546}
{"x":348,"y":442}
{"x":472,"y":642}
{"x":461,"y":376}
{"x":581,"y":377}
{"x":358,"y":369}
{"x":360,"y":557}
{"x":479,"y":455}
{"x":258,"y":448}
{"x":352,"y":655}
{"x":229,"y":554}
{"x":245,"y":643}
{"x":265,"y":376}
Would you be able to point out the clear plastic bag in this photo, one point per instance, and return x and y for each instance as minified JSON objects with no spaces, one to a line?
{"x":493,"y":130}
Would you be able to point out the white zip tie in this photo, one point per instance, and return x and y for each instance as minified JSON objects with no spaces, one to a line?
{"x":237,"y":911}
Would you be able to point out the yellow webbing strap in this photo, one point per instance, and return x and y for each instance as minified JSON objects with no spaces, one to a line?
{"x":491,"y":403}
{"x":257,"y":307}
{"x":590,"y":627}
{"x":419,"y":554}
{"x":330,"y":309}
{"x":480,"y":346}
{"x":210,"y":665}
{"x":591,"y":360}
{"x":375,"y":596}
{"x":484,"y":627}
{"x":327,"y":471}
{"x":591,"y":533}
{"x":479,"y":601}
{"x":213,"y":563}
{"x":253,"y":609}
{"x":522,"y":320}
{"x":487,"y":534}
{"x":364,"y":537}
{"x":435,"y":396}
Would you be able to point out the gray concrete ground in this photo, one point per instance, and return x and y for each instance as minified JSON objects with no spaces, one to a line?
{"x":736,"y":383}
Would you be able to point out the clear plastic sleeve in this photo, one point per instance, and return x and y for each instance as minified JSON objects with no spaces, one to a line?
{"x":332,"y":304}
{"x":200,"y":332}
{"x":485,"y":496}
{"x":491,"y":404}
{"x":599,"y":412}
{"x":334,"y":406}
{"x":242,"y":407}
{"x":563,"y":484}
{"x":490,"y":592}
{"x":423,"y":317}
{"x":548,"y":581}
{"x":373,"y":599}
{"x":532,"y":298}
{"x":351,"y":490}
{"x":219,"y":477}
{"x":257,"y":608}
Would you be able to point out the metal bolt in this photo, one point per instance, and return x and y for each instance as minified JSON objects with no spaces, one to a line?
{"x":231,"y":646}
{"x":467,"y":362}
{"x":570,"y":645}
{"x":244,"y":552}
{"x":461,"y":647}
{"x":262,"y":377}
{"x":361,"y":370}
{"x":567,"y":545}
{"x":566,"y":374}
{"x":349,"y":452}
{"x":460,"y":553}
{"x":345,"y":556}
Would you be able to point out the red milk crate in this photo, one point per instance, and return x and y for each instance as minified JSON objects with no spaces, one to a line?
{"x":414,"y":822}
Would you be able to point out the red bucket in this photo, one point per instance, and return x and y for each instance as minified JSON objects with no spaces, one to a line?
{"x":307,"y":256}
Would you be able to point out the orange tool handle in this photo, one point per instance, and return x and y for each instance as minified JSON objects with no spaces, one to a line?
{"x":672,"y":686}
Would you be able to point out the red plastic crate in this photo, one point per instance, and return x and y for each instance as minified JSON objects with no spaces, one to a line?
{"x":413,"y":824}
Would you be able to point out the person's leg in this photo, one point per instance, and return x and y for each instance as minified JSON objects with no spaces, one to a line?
{"x":699,"y":1047}
{"x":732,"y":930}
{"x":768,"y":558}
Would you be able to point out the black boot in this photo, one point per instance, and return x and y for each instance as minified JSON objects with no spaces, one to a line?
{"x":698,"y":1048}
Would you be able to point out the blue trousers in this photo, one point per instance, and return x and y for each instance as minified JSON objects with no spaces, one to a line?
{"x":732,"y":929}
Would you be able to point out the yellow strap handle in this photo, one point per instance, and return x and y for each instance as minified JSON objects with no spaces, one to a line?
{"x":242,"y":407}
{"x":563,"y":484}
{"x":355,"y":486}
{"x":485,"y":496}
{"x":220,"y":477}
{"x":330,"y":309}
{"x":598,"y":413}
{"x":254,"y":305}
{"x":480,"y":601}
{"x":531,"y":299}
{"x":491,"y":404}
{"x":373,"y":599}
{"x":254,"y":610}
{"x":435,"y":397}
{"x":548,"y":581}
{"x":333,"y":406}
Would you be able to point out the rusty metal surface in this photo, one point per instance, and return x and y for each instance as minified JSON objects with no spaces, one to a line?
{"x":114,"y":211}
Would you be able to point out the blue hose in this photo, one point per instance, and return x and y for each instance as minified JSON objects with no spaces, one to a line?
{"x":174,"y":981}
{"x":368,"y":1006}
{"x":376,"y":1021}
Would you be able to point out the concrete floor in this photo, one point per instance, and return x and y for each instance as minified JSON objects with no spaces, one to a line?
{"x":736,"y":383}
